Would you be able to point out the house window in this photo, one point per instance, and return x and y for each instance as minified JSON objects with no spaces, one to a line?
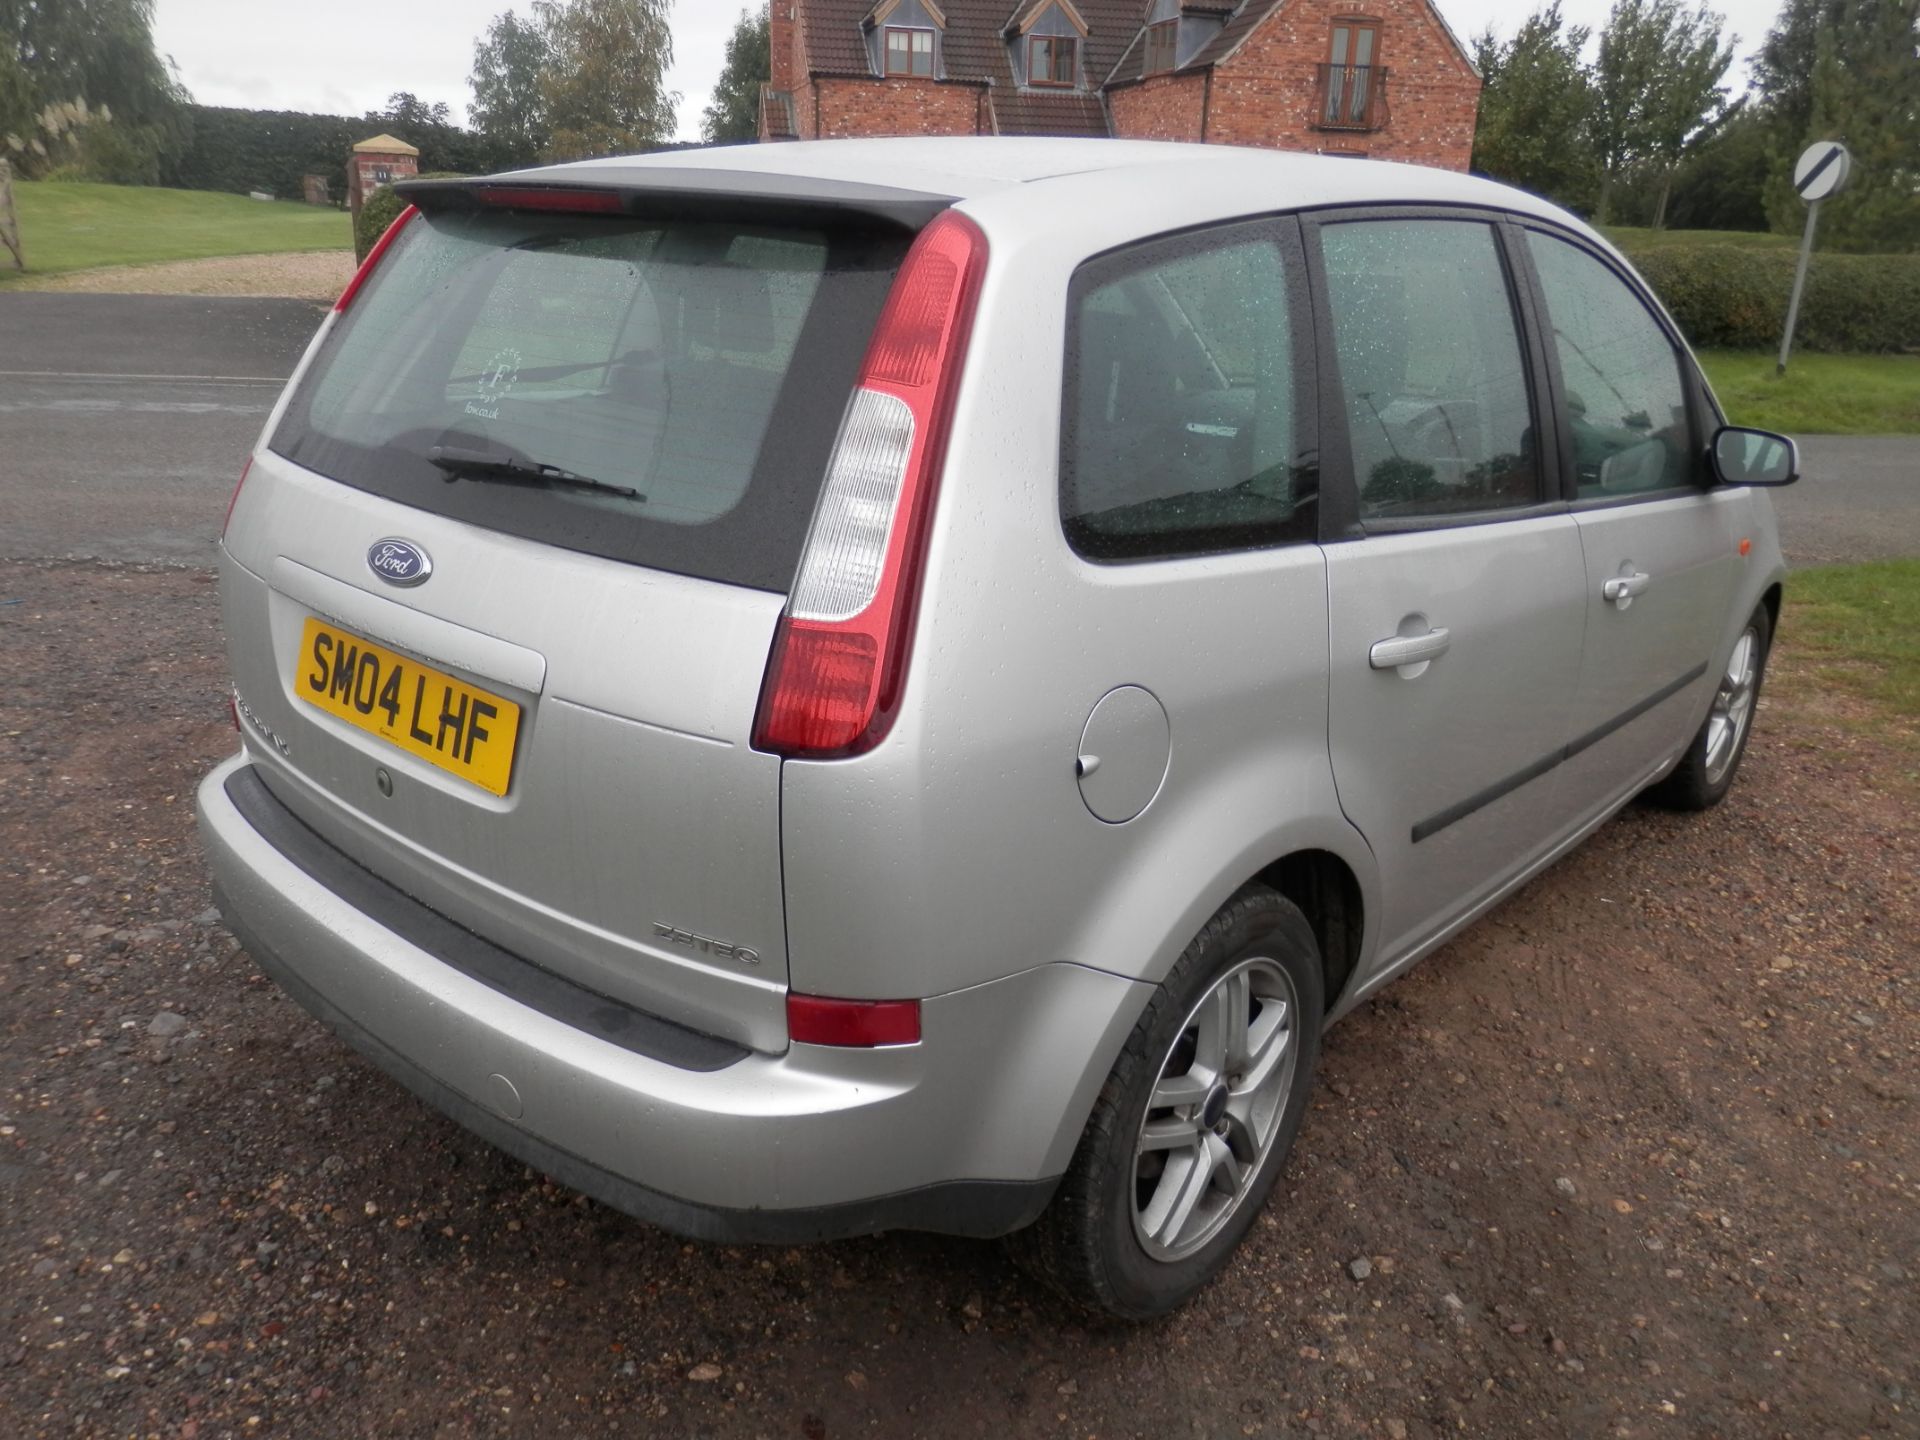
{"x":1053,"y":60}
{"x":909,"y":52}
{"x":1352,"y":84}
{"x":1163,"y":44}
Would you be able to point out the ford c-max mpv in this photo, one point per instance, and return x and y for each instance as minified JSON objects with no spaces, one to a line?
{"x":812,"y":689}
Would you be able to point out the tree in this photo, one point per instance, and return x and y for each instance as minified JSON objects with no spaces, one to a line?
{"x":407,"y":111}
{"x":604,"y":91}
{"x":1721,"y":184}
{"x":1535,"y":101}
{"x":1657,"y":89}
{"x":735,"y":112}
{"x":508,"y":108}
{"x":1689,"y":104}
{"x":1847,"y":70}
{"x":95,"y":56}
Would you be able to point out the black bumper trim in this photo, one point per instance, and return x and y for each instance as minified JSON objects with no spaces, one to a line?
{"x":518,"y":979}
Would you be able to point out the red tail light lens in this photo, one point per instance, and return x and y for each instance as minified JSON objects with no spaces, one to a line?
{"x":373,"y":258}
{"x":839,"y":658}
{"x":853,"y":1024}
{"x":234,"y":499}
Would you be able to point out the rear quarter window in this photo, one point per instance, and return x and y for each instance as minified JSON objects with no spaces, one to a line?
{"x":1181,"y":413}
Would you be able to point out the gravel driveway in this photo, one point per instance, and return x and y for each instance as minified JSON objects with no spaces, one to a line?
{"x":299,"y":274}
{"x":1637,"y":1155}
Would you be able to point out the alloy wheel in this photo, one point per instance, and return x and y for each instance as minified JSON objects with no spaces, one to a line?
{"x":1733,"y":703}
{"x":1215,"y":1110}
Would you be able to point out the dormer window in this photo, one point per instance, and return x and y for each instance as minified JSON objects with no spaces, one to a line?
{"x":909,"y":51}
{"x":1163,"y":46}
{"x":1053,"y":60}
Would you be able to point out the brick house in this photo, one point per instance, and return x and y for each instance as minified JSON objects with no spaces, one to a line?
{"x":1383,"y":78}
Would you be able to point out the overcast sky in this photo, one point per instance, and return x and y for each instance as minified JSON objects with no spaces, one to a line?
{"x":344,"y":57}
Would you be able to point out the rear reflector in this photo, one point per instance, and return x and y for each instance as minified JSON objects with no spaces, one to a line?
{"x":572,"y":202}
{"x":840,"y":655}
{"x":234,"y":499}
{"x":860,"y":1024}
{"x":373,"y":258}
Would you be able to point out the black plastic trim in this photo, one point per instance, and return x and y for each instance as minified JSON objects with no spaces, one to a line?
{"x":518,"y":979}
{"x":1479,"y":800}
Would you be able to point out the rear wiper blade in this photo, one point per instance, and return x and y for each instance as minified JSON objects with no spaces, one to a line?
{"x":478,"y":465}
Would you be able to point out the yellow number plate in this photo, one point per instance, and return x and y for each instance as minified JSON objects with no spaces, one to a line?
{"x":426,"y":712}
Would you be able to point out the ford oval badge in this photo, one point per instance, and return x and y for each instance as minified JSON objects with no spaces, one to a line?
{"x":399,"y":562}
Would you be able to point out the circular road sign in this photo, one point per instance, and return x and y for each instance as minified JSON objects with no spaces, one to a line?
{"x":1822,"y":170}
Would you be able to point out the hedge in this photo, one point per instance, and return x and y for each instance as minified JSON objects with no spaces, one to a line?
{"x":1729,"y":297}
{"x":271,"y":150}
{"x":377,"y":211}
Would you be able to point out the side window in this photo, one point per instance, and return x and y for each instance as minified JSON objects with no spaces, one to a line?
{"x":1179,"y":425}
{"x":1433,"y":375}
{"x":1626,"y":403}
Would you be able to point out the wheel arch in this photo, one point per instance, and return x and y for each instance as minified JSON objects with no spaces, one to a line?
{"x":1328,"y":892}
{"x":1771,"y":599}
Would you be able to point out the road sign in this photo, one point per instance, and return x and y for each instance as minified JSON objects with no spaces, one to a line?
{"x":1822,"y":170}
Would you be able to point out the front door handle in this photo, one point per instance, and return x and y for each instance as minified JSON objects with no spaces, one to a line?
{"x":1401,"y":650}
{"x":1622,"y":588}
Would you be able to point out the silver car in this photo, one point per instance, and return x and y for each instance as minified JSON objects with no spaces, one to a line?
{"x":811,"y":689}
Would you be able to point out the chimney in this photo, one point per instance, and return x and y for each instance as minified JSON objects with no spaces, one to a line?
{"x":780,"y":39}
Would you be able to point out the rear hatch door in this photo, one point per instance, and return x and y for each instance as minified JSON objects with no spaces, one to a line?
{"x":503,"y":579}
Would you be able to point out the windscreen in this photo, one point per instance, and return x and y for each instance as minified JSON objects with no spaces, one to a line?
{"x":663,"y":392}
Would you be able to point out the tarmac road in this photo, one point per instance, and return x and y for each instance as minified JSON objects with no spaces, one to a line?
{"x":124,"y":420}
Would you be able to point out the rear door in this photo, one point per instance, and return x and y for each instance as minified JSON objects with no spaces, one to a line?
{"x":1660,"y":547}
{"x":502,"y":583}
{"x":1454,"y":576}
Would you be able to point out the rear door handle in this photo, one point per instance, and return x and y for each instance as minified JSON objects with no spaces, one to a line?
{"x":1622,"y":588}
{"x":1398,"y":650}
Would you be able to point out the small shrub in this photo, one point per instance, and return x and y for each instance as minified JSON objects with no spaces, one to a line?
{"x":1735,"y":298}
{"x":377,"y":212}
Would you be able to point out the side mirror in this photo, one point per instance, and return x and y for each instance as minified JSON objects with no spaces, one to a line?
{"x":1754,"y":457}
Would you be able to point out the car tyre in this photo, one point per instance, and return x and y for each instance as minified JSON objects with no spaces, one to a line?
{"x":1705,"y":773}
{"x":1243,"y":1004}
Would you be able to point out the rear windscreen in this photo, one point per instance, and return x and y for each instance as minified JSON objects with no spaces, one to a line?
{"x":696,"y":371}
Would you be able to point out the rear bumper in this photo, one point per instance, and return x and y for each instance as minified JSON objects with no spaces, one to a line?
{"x":965,"y":1133}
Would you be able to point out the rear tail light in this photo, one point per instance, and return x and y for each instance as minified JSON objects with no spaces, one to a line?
{"x":854,"y":1024}
{"x":373,"y":258}
{"x":839,"y":657}
{"x":234,"y":499}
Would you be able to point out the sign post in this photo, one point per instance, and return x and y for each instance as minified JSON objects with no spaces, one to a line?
{"x":9,"y":221}
{"x":1822,"y":170}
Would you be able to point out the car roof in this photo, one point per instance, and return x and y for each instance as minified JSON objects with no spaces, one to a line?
{"x":1098,"y":193}
{"x":959,"y":168}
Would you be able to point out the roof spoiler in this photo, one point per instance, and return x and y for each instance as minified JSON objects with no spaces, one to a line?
{"x":661,"y":191}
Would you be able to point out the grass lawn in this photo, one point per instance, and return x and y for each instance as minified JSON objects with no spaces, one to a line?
{"x":77,"y":227}
{"x":1819,"y":394}
{"x":1860,"y":626}
{"x":1635,"y":237}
